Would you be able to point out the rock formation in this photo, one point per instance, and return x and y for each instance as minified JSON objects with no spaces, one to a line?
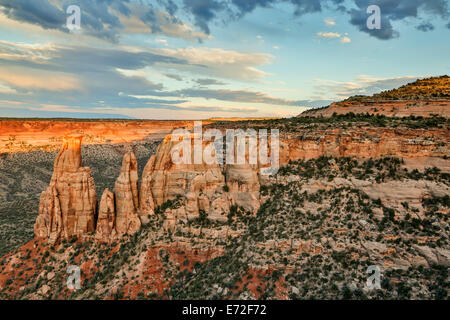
{"x":200,"y":186}
{"x":106,"y":222}
{"x":127,"y":198}
{"x":68,"y":206}
{"x":406,"y":108}
{"x":49,"y":221}
{"x":424,"y":97}
{"x":365,"y":143}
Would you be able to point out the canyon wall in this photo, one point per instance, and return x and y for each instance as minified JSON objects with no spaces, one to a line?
{"x":365,"y":142}
{"x":27,"y":135}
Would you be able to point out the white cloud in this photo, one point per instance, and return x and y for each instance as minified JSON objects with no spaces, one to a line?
{"x":335,"y":35}
{"x":330,"y":22}
{"x":162,"y":41}
{"x":167,"y":25}
{"x":33,"y":79}
{"x":33,"y":52}
{"x":329,"y":35}
{"x":216,"y":62}
{"x":6,"y":89}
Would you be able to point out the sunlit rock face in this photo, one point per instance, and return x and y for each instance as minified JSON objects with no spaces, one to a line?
{"x":106,"y":222}
{"x":127,"y":197}
{"x":68,"y":206}
{"x":203,"y":187}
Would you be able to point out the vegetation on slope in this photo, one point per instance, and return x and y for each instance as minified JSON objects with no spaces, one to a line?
{"x":429,"y":88}
{"x":342,"y":231}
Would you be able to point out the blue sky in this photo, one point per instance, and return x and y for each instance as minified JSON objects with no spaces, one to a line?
{"x":197,"y":59}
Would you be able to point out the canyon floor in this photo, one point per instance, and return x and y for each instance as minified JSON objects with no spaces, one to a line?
{"x":353,"y":191}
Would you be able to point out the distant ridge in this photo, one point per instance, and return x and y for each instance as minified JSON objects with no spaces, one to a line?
{"x":425,"y":97}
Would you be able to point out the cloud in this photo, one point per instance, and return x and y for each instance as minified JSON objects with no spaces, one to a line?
{"x":204,"y":11}
{"x":40,"y":12}
{"x":330,"y":22}
{"x":123,"y":77}
{"x":425,"y":27}
{"x":244,"y":96}
{"x":329,"y":35}
{"x":163,"y":41}
{"x":209,"y":82}
{"x":38,"y":53}
{"x":334,"y":35}
{"x":17,"y":78}
{"x":363,"y":85}
{"x":216,"y":62}
{"x":97,"y":73}
{"x":395,"y":10}
{"x":112,"y":19}
{"x":6,"y":89}
{"x":107,"y":20}
{"x":173,"y":76}
{"x":148,"y":20}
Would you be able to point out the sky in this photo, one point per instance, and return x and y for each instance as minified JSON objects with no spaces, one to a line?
{"x":199,"y":59}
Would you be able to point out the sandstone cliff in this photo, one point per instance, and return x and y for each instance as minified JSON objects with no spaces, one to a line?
{"x":69,"y":205}
{"x":366,"y":142}
{"x":203,"y":187}
{"x":27,"y":135}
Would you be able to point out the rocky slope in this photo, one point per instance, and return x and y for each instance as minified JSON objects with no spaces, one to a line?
{"x":309,"y":239}
{"x":423,"y":98}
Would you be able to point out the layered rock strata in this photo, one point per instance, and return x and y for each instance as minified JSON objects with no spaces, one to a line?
{"x":127,"y":197}
{"x":68,"y":206}
{"x":202,"y":187}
